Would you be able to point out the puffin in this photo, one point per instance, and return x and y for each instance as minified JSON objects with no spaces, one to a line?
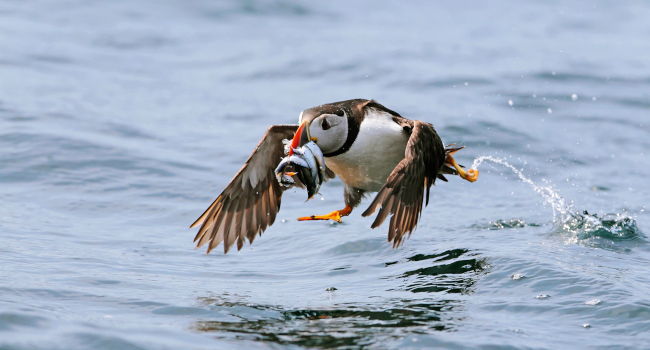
{"x":371,"y":148}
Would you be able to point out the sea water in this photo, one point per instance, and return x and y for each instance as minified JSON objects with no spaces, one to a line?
{"x":121,"y":121}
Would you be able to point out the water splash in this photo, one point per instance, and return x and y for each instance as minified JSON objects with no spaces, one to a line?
{"x":561,"y":209}
{"x":582,"y":226}
{"x":611,"y":227}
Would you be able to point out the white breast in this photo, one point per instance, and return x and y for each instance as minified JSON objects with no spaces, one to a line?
{"x":378,"y":148}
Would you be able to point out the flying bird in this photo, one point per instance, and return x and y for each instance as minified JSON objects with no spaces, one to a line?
{"x":369,"y":147}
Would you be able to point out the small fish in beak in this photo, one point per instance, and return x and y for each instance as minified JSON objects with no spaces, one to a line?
{"x":307,"y":162}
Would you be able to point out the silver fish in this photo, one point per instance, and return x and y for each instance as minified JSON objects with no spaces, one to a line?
{"x":318,"y":154}
{"x":308,"y":155}
{"x":291,"y":162}
{"x":308,"y":163}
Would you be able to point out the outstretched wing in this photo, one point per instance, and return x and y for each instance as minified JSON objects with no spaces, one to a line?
{"x":403,"y":193}
{"x":250,"y":202}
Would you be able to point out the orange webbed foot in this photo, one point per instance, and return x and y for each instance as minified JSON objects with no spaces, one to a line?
{"x":336,"y":215}
{"x":470,"y":175}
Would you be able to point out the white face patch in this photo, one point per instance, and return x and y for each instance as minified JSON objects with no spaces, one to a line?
{"x":330,"y":131}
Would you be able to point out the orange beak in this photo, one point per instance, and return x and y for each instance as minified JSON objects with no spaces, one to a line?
{"x":303,"y":129}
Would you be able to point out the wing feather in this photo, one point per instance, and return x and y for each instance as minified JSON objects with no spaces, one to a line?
{"x":408,"y":185}
{"x":250,"y":202}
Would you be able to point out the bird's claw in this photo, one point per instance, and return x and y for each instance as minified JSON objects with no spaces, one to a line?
{"x":470,"y":175}
{"x":336,"y":215}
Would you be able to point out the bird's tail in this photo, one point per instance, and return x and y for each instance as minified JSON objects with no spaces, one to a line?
{"x":447,"y":168}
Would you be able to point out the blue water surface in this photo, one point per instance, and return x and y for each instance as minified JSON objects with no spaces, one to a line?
{"x":120,"y":121}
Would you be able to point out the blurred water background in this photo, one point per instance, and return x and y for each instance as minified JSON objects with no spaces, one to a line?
{"x":120,"y":121}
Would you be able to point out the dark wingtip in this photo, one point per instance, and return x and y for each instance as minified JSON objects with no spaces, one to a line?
{"x":373,"y":206}
{"x":195,"y":223}
{"x":450,"y":149}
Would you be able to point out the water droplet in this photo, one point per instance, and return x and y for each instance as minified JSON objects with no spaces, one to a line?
{"x":542,"y":296}
{"x":595,"y":301}
{"x":586,"y":325}
{"x":551,"y":196}
{"x":510,"y":103}
{"x":284,"y":220}
{"x":517,"y":276}
{"x":574,"y":97}
{"x":594,"y":98}
{"x":466,"y":83}
{"x":549,"y":111}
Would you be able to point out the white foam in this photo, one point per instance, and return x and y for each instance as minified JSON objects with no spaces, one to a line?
{"x":561,"y":209}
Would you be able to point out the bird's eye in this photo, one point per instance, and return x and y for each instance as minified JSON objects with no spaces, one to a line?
{"x":340,"y":113}
{"x":325,"y":124}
